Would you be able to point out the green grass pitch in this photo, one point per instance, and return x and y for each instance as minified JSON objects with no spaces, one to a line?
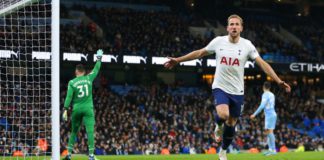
{"x":242,"y":156}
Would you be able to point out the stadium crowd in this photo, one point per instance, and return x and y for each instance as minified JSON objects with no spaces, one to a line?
{"x":25,"y":95}
{"x":166,"y":33}
{"x":152,"y":120}
{"x":311,"y":36}
{"x":128,"y":32}
{"x":25,"y":121}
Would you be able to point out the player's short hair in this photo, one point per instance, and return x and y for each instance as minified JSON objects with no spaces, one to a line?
{"x":267,"y":85}
{"x":235,"y":16}
{"x":80,"y":68}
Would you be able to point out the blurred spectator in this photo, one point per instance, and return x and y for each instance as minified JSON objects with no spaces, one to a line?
{"x":301,"y":148}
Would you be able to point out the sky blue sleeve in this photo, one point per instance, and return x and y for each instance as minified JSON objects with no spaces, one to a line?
{"x":262,"y":105}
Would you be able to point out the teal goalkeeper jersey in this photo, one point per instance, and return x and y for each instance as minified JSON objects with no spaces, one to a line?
{"x":80,"y":90}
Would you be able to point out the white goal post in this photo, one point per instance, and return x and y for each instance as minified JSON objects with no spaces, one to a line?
{"x":29,"y":79}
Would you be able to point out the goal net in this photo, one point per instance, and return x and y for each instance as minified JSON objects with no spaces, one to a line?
{"x":26,"y":79}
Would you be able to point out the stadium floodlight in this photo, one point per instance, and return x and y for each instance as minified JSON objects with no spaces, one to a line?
{"x":29,"y":78}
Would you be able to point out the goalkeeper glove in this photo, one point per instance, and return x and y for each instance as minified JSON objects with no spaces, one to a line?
{"x":99,"y":54}
{"x":65,"y":116}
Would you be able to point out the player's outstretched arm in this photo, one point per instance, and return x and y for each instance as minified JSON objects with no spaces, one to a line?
{"x":270,"y":72}
{"x":96,"y":68}
{"x":190,"y":56}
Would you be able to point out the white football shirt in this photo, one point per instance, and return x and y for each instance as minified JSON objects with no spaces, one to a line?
{"x":230,"y":62}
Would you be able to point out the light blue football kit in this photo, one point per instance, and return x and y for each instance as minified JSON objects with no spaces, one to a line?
{"x":268,"y":105}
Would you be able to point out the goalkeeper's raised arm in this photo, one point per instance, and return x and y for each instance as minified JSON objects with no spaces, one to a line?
{"x":93,"y":74}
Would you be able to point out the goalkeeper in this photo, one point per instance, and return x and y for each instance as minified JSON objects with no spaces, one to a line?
{"x":80,"y":94}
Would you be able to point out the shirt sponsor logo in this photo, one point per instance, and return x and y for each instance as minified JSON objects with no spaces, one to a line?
{"x":230,"y":61}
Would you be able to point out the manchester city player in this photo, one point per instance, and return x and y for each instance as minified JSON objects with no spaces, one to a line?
{"x":268,"y":105}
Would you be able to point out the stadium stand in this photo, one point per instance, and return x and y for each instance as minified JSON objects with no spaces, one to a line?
{"x":161,"y":119}
{"x":147,"y":119}
{"x":127,"y":32}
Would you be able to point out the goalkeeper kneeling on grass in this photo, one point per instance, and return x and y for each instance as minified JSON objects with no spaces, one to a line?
{"x":80,"y":94}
